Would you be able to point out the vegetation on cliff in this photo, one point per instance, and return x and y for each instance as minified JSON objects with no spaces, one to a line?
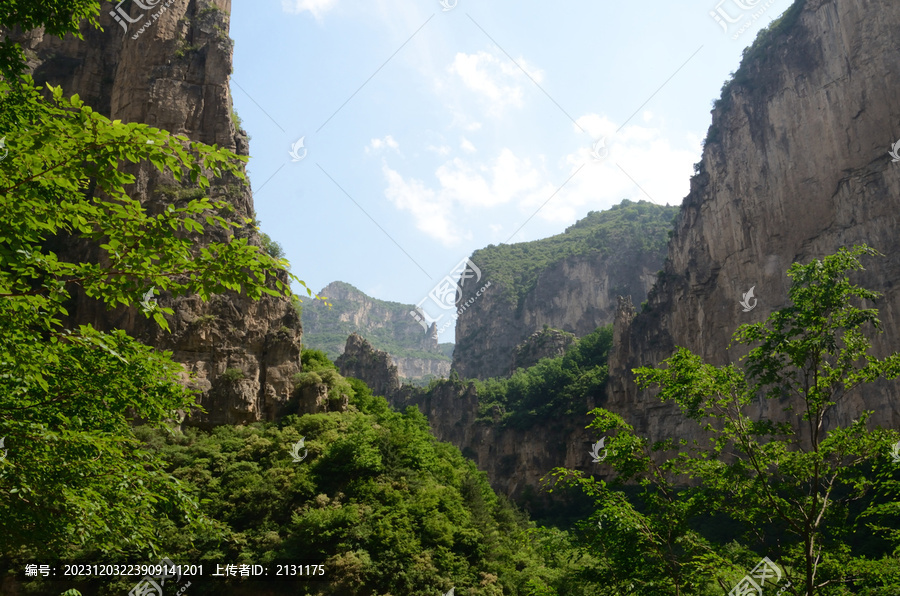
{"x":553,"y":388}
{"x":376,"y":499}
{"x":72,"y":471}
{"x":628,"y":227}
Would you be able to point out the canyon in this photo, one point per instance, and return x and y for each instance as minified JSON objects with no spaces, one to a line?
{"x":795,"y":166}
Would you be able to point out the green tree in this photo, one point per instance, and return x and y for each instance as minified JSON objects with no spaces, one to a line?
{"x":75,"y":474}
{"x":819,"y":499}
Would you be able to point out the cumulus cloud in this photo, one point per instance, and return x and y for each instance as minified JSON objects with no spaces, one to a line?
{"x":465,"y":188}
{"x":317,"y":7}
{"x":387,"y":142}
{"x":499,"y":195}
{"x":498,"y":81}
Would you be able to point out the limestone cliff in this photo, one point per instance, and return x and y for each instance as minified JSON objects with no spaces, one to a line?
{"x":169,"y":67}
{"x":546,"y":343}
{"x":362,"y":361}
{"x":568,"y":282}
{"x":795,"y":166}
{"x":386,"y":325}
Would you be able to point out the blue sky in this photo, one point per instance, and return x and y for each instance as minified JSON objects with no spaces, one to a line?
{"x":430,"y":133}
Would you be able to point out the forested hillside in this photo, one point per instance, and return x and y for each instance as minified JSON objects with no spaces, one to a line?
{"x":629,"y":227}
{"x":570,"y":281}
{"x":156,"y":406}
{"x":376,"y":499}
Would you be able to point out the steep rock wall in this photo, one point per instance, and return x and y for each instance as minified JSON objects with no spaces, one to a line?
{"x":576,"y":294}
{"x":515,"y":459}
{"x":175,"y":76}
{"x":796,"y":166}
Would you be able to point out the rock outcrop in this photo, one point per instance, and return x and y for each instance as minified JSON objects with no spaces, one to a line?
{"x":795,"y":166}
{"x":546,"y":343}
{"x":515,"y":460}
{"x":169,"y":68}
{"x":360,"y":360}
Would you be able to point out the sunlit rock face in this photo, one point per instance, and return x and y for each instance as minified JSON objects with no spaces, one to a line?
{"x":174,"y":75}
{"x":795,"y":167}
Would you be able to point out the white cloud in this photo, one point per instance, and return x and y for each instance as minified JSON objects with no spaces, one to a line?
{"x":443,"y":150}
{"x":429,"y":210}
{"x":317,"y":7}
{"x":464,"y":188}
{"x":467,"y":146}
{"x":496,"y":79}
{"x":379,"y":144}
{"x":500,"y":195}
{"x":641,"y":162}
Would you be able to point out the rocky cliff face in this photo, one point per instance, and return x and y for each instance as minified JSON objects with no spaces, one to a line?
{"x":515,"y":460}
{"x":795,"y":166}
{"x":168,"y":67}
{"x":387,"y":325}
{"x":546,"y":343}
{"x":575,"y":293}
{"x":360,"y":360}
{"x":411,"y":367}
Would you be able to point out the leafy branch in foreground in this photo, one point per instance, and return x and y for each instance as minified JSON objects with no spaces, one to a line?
{"x":776,"y":471}
{"x":74,"y":473}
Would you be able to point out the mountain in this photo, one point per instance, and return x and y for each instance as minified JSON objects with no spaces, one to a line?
{"x":175,"y":76}
{"x":388,"y":326}
{"x":795,"y":166}
{"x":569,"y":282}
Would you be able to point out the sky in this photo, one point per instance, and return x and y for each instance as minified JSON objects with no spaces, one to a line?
{"x":392,"y":138}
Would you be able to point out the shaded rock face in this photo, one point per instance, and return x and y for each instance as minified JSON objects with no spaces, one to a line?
{"x":796,"y":166}
{"x":175,"y":76}
{"x":547,"y":343}
{"x":515,"y":460}
{"x":418,"y":368}
{"x":360,"y":360}
{"x":576,"y":295}
{"x":315,"y":399}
